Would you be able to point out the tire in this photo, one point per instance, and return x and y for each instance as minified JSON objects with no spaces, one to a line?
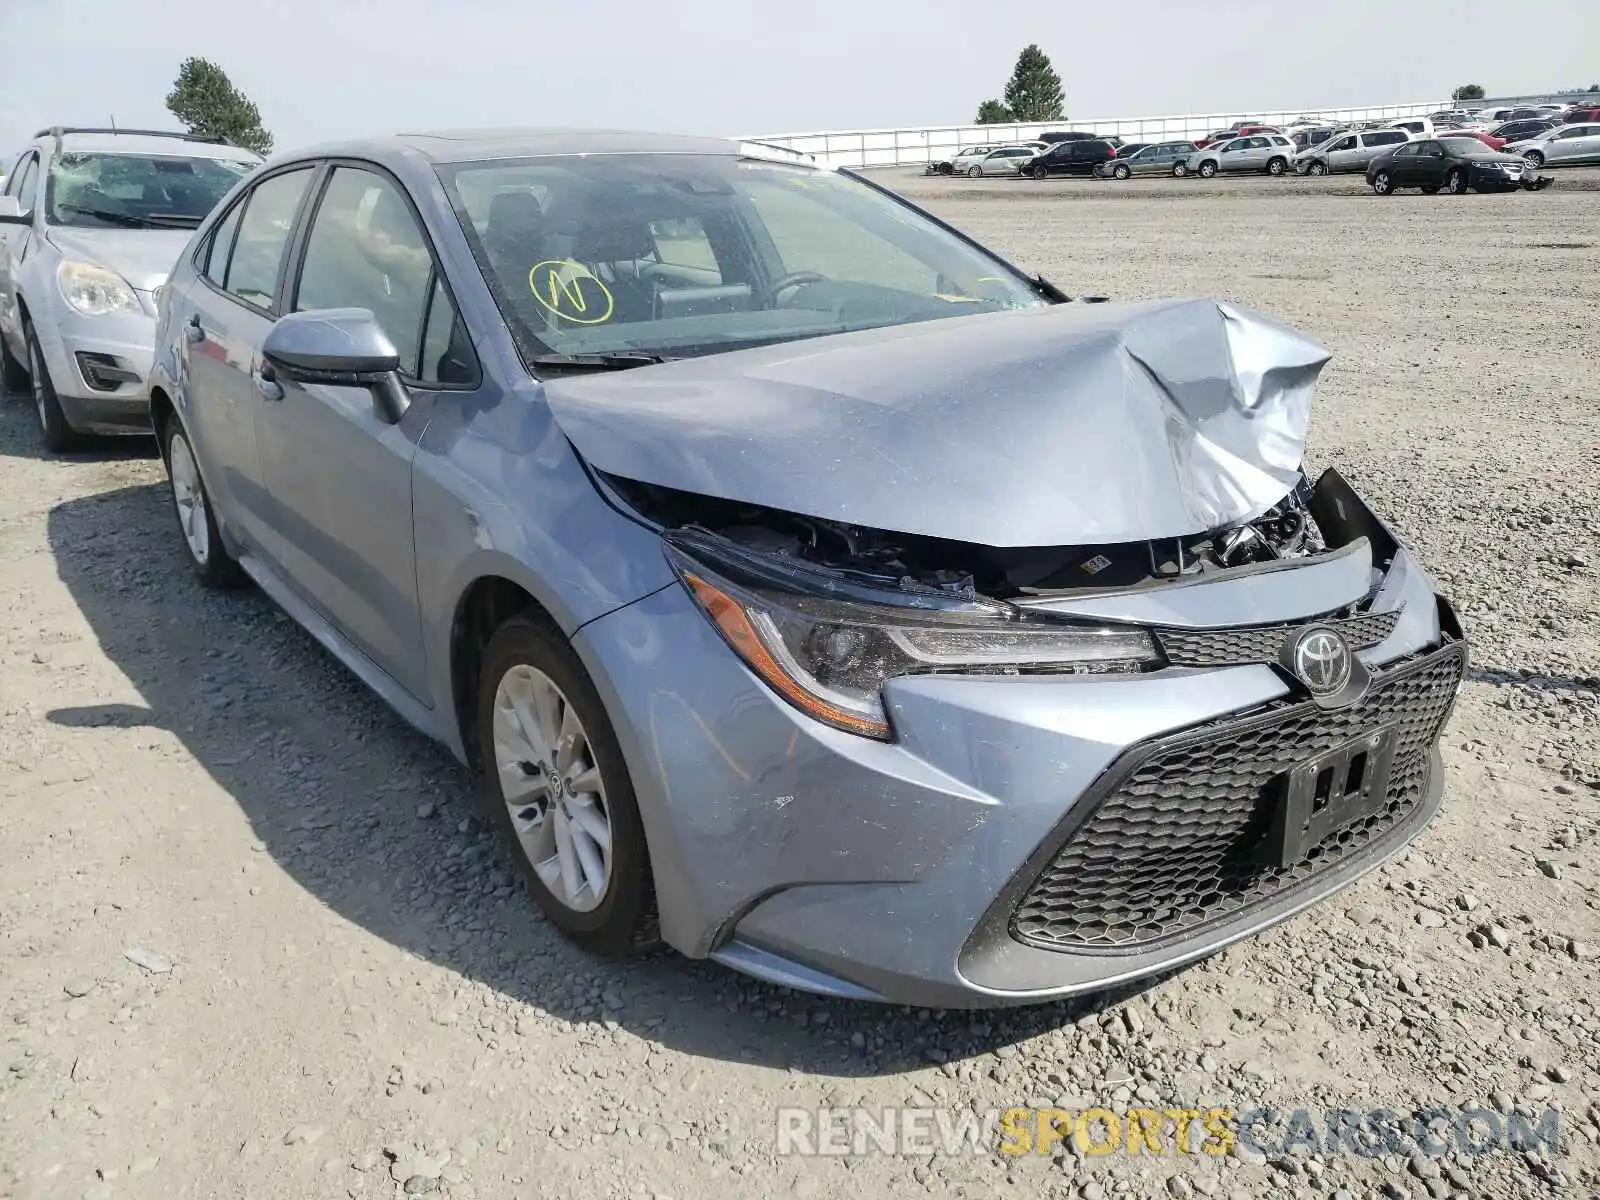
{"x":1180,"y":170}
{"x":526,"y":658}
{"x":1534,"y":159}
{"x":1456,"y":183}
{"x":1041,"y":173}
{"x":1120,"y":171}
{"x":974,"y":172}
{"x":1383,"y":183}
{"x":1277,"y":166}
{"x":1318,"y":167}
{"x":213,"y":566}
{"x":55,"y":431}
{"x":13,"y":374}
{"x":1208,"y":169}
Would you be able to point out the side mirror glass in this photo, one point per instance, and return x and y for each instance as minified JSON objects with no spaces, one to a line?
{"x":340,"y":347}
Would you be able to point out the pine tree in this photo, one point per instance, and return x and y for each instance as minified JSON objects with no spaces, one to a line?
{"x":994,"y":112}
{"x":206,"y":101}
{"x":1034,"y":92}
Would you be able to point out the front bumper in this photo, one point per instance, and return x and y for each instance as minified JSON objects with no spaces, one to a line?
{"x":88,"y":359}
{"x":897,"y":871}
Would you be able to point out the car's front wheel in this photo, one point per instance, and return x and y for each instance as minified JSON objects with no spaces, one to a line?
{"x":55,"y":431}
{"x":1041,"y":173}
{"x":1318,"y":167}
{"x":1207,"y":170}
{"x":974,"y":172}
{"x":1121,"y":171}
{"x":212,"y":563}
{"x":560,"y":792}
{"x":1383,"y":183}
{"x":1456,"y":182}
{"x":1534,"y":159}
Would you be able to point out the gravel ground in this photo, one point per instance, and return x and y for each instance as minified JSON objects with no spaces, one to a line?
{"x":256,"y":941}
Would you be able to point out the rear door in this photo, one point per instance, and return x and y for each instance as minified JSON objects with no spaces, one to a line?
{"x":226,"y":317}
{"x":1429,"y":165}
{"x":1403,"y":166}
{"x":340,"y":475}
{"x":1380,"y":141}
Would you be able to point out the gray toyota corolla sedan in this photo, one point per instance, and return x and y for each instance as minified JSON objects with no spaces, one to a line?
{"x":814,"y":590}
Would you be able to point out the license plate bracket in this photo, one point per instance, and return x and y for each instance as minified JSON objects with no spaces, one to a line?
{"x":1326,"y":792}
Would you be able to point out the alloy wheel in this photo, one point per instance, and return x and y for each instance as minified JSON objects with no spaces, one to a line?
{"x":189,"y":498}
{"x":552,"y":787}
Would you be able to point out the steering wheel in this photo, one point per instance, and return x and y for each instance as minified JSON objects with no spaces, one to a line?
{"x":793,"y":279}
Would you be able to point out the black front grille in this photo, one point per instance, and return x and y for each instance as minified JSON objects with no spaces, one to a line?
{"x":1170,"y":845}
{"x":1261,"y":643}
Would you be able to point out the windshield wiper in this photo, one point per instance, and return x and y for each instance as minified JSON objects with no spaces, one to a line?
{"x":125,"y":219}
{"x":172,"y":221}
{"x":600,"y":362}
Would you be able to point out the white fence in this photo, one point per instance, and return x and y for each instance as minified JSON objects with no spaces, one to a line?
{"x":891,"y":147}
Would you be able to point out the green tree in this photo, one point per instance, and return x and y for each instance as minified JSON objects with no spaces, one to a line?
{"x":994,"y":112}
{"x":1468,"y":91}
{"x":206,"y":101}
{"x":1594,"y":87}
{"x":1034,"y":92}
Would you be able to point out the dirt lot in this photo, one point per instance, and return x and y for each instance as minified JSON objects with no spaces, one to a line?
{"x":255,"y":940}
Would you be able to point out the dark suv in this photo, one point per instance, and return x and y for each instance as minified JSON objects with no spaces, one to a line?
{"x":1073,"y":158}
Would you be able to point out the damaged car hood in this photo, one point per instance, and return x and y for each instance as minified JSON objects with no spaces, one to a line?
{"x":1067,"y":425}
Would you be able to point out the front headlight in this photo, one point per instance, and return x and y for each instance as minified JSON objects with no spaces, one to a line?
{"x":829,"y":651}
{"x":95,"y":291}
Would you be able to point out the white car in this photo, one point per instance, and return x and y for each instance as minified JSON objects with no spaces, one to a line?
{"x":1564,"y":146}
{"x":1002,"y":160}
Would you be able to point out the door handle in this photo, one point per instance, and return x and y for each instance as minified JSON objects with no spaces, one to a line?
{"x":193,"y":330}
{"x":267,"y":385}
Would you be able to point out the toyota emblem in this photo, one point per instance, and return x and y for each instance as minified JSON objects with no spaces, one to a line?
{"x":1321,"y":660}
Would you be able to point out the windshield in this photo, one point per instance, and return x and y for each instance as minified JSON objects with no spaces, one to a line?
{"x":137,"y":191}
{"x":1469,"y":147}
{"x":687,"y":254}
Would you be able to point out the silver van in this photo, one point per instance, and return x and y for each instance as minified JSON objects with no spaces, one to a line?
{"x":1349,"y":151}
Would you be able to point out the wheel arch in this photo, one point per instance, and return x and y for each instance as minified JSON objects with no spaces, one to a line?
{"x":487,"y":603}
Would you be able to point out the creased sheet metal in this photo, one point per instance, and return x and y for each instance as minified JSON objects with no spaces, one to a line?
{"x":1068,"y":425}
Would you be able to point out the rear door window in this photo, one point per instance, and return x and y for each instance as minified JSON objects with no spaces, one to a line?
{"x":219,"y":248}
{"x":263,"y":236}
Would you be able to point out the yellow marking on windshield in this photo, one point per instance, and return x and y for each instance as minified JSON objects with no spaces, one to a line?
{"x":571,"y":291}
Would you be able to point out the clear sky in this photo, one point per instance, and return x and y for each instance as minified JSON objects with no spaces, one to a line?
{"x":321,"y":69}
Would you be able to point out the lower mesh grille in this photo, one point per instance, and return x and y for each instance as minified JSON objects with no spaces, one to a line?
{"x":1170,"y":846}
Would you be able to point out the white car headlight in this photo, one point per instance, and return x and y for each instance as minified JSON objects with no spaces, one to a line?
{"x":95,"y":291}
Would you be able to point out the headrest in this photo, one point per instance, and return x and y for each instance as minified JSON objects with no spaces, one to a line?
{"x":514,"y":215}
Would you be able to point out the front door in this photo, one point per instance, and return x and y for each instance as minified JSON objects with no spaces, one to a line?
{"x":338,"y":472}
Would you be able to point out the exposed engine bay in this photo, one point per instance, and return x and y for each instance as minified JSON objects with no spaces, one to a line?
{"x":874,"y":558}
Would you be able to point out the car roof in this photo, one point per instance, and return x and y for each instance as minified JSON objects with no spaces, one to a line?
{"x":107,"y":142}
{"x":469,"y":145}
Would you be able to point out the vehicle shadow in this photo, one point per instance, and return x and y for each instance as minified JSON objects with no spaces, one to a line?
{"x":386,"y":829}
{"x":19,"y":437}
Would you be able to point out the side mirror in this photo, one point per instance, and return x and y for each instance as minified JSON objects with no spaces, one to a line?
{"x":339,"y":347}
{"x":11,"y":212}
